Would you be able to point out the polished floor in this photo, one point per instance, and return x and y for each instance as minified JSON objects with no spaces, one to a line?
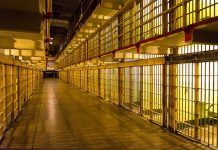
{"x":61,"y":116}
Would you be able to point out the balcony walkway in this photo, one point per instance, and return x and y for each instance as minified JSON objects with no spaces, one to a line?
{"x":61,"y":116}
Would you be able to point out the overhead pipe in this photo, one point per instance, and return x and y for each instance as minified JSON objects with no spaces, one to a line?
{"x":47,"y":16}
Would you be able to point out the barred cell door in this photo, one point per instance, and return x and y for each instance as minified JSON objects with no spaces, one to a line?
{"x":135,"y":89}
{"x":102,"y":83}
{"x":124,"y":87}
{"x":196,"y":101}
{"x":15,"y":92}
{"x":107,"y":84}
{"x":115,"y":85}
{"x":207,"y":102}
{"x":152,"y":98}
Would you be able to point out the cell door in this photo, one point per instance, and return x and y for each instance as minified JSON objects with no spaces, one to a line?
{"x":102,"y":83}
{"x":85,"y":79}
{"x":114,"y":86}
{"x":185,"y":99}
{"x":107,"y":84}
{"x":15,"y":91}
{"x":152,"y":93}
{"x":82,"y":79}
{"x":207,"y":102}
{"x":135,"y":89}
{"x":90,"y":84}
{"x":125,"y":87}
{"x":196,"y":101}
{"x":96,"y":81}
{"x":9,"y":95}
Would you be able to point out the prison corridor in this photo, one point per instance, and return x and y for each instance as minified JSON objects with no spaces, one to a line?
{"x":61,"y":116}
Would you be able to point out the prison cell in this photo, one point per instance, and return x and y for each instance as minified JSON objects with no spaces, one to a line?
{"x":22,"y":87}
{"x":84,"y":79}
{"x":93,"y":45}
{"x":135,"y":89}
{"x":195,"y":85}
{"x":107,"y":84}
{"x":105,"y":34}
{"x":114,"y":85}
{"x":83,"y":48}
{"x":157,"y":93}
{"x":96,"y":81}
{"x":125,"y":87}
{"x":90,"y":81}
{"x":15,"y":92}
{"x":77,"y":77}
{"x":25,"y":73}
{"x":185,"y":99}
{"x":146,"y":92}
{"x":30,"y":83}
{"x":127,"y":25}
{"x":8,"y":95}
{"x":102,"y":83}
{"x":70,"y":76}
{"x":114,"y":34}
{"x":196,"y":101}
{"x":208,"y":102}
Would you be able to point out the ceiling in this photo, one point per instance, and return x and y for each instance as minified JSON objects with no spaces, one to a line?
{"x":64,"y":12}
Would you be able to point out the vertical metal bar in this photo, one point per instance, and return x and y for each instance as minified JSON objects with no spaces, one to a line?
{"x":209,"y":104}
{"x":216,"y":107}
{"x":151,"y":91}
{"x":164,"y":87}
{"x":120,"y":89}
{"x":186,"y":111}
{"x":141,"y":90}
{"x":213,"y":124}
{"x":130,"y":88}
{"x":200,"y":102}
{"x":205,"y":109}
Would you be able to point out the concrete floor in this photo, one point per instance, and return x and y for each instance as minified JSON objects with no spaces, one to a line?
{"x":61,"y":116}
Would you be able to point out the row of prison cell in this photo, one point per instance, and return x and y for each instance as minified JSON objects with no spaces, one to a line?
{"x":18,"y":81}
{"x":138,"y":21}
{"x":177,"y":92}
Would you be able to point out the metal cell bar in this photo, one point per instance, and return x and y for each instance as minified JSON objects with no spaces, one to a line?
{"x":151,"y":92}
